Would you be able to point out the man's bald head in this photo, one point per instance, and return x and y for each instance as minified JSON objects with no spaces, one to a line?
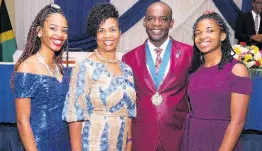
{"x":159,"y":4}
{"x":157,"y":22}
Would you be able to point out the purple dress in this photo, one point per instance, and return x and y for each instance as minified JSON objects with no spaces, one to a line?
{"x":210,"y":97}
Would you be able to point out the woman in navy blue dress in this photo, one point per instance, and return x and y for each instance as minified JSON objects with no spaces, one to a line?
{"x":39,"y":83}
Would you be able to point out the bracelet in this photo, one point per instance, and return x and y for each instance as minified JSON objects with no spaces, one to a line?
{"x":129,"y":140}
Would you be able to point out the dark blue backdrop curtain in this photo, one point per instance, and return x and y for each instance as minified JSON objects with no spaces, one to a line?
{"x":134,"y":14}
{"x":246,"y":6}
{"x":77,"y":11}
{"x":229,"y":10}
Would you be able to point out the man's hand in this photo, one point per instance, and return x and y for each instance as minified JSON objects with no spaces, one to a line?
{"x":257,"y":37}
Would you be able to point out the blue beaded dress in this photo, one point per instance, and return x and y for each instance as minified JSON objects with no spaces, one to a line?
{"x":47,"y":100}
{"x":104,"y":102}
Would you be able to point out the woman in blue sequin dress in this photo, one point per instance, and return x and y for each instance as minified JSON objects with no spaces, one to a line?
{"x":40,"y":84}
{"x":100,"y":103}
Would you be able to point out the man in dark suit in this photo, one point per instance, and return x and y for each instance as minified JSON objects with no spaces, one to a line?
{"x":248,"y":27}
{"x":160,"y":82}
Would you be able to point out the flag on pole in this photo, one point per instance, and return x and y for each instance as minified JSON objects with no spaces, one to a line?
{"x":7,"y":38}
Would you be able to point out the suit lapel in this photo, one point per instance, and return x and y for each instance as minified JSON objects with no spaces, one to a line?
{"x":146,"y":74}
{"x":174,"y":59}
{"x":260,"y":25}
{"x":175,"y":56}
{"x":252,"y":22}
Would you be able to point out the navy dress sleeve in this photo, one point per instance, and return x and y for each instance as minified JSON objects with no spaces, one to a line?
{"x":25,"y":85}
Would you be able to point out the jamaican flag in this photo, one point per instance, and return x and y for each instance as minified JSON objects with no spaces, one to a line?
{"x":7,"y":38}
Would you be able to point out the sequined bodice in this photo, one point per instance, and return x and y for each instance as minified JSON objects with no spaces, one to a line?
{"x":47,"y":96}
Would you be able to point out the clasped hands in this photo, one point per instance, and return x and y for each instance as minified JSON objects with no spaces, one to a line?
{"x":257,"y":37}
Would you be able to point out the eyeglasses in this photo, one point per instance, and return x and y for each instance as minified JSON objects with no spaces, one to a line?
{"x":259,"y":3}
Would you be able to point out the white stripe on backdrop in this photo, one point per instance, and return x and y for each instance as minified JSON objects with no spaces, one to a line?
{"x":25,"y":12}
{"x":184,"y":12}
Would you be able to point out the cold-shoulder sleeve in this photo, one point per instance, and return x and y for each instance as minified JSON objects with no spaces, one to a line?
{"x":25,"y":85}
{"x":77,"y":98}
{"x":242,"y":85}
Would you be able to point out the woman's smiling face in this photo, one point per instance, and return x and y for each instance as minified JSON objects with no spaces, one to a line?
{"x":208,"y":36}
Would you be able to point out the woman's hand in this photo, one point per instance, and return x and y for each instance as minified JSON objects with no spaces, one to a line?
{"x":207,"y":12}
{"x":129,"y":146}
{"x":129,"y":136}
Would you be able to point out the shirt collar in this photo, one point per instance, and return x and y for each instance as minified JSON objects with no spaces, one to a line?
{"x":254,"y":14}
{"x":163,"y":46}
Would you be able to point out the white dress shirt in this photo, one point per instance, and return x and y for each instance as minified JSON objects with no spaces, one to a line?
{"x":154,"y":55}
{"x":254,"y":18}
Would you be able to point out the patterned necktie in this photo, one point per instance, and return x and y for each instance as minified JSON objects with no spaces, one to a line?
{"x":158,"y":59}
{"x":256,"y":23}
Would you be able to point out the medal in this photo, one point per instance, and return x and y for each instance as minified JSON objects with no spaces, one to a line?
{"x":158,"y":78}
{"x":156,"y":99}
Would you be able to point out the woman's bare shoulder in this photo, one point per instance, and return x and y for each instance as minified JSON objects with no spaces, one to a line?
{"x":29,"y":65}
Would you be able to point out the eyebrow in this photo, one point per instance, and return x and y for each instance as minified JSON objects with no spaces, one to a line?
{"x":157,"y":16}
{"x":57,"y":25}
{"x":206,"y":28}
{"x":113,"y":26}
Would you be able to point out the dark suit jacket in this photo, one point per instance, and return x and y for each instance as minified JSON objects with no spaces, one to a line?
{"x":165,"y":121}
{"x":245,"y":28}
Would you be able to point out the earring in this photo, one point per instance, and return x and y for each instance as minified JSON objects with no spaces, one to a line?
{"x":38,"y":32}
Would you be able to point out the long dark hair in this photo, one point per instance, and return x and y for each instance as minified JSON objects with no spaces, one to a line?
{"x":227,"y":55}
{"x":33,"y":42}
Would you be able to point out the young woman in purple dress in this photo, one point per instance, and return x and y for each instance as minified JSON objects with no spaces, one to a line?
{"x":219,"y":89}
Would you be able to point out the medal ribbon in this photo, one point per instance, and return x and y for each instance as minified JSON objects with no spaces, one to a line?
{"x":150,"y":63}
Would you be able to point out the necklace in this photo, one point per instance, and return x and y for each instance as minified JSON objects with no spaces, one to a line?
{"x":41,"y":60}
{"x":112,"y":61}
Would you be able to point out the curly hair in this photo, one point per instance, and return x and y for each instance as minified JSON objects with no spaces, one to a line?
{"x":227,"y":55}
{"x":33,"y":42}
{"x":97,"y":15}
